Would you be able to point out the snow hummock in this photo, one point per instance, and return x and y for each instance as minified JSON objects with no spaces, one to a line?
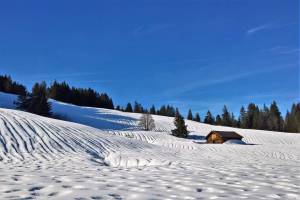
{"x":104,"y":154}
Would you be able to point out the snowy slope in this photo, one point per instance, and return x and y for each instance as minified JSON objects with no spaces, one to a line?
{"x":105,"y":155}
{"x":7,"y":100}
{"x":112,"y":120}
{"x":28,"y":136}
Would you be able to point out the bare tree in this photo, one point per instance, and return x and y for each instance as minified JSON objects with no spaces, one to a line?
{"x":147,"y":122}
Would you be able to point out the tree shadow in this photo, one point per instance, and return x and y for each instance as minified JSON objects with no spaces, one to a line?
{"x":196,"y":137}
{"x":95,"y":117}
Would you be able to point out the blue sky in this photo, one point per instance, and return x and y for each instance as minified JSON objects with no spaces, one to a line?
{"x":198,"y":54}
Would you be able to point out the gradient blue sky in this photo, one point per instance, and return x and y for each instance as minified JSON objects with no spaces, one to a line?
{"x":198,"y":54}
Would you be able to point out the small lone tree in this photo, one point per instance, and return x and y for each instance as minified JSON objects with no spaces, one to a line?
{"x":147,"y":122}
{"x":190,"y":115}
{"x":181,"y":128}
{"x":197,"y":117}
{"x":128,"y":108}
{"x":209,"y":118}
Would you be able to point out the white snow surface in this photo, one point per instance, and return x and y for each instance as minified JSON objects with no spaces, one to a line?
{"x":104,"y":154}
{"x":234,"y":141}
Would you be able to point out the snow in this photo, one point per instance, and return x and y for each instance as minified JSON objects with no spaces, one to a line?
{"x":234,"y":142}
{"x":104,"y":154}
{"x":7,"y":100}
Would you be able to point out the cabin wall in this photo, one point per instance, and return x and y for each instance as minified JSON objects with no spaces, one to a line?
{"x":215,"y":138}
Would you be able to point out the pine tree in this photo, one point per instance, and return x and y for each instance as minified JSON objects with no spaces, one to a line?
{"x":264,"y":117}
{"x":290,"y":123}
{"x":197,"y":117}
{"x":163,"y":111}
{"x":256,"y":119}
{"x":181,"y":128}
{"x":190,"y":115}
{"x":276,"y":121}
{"x":226,"y":118}
{"x":209,"y":119}
{"x":138,"y":107}
{"x":9,"y":86}
{"x":252,"y":109}
{"x":22,"y":102}
{"x":292,"y":119}
{"x":243,"y":118}
{"x":218,"y":120}
{"x":234,"y":122}
{"x":296,"y":114}
{"x":79,"y":96}
{"x":152,"y":110}
{"x":170,"y":111}
{"x":37,"y":101}
{"x":128,"y":108}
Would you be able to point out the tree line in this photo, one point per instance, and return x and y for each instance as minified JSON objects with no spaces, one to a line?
{"x":79,"y":96}
{"x":9,"y":86}
{"x":251,"y":117}
{"x":164,"y":110}
{"x":37,"y":102}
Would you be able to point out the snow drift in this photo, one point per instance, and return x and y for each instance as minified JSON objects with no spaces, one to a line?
{"x":28,"y":136}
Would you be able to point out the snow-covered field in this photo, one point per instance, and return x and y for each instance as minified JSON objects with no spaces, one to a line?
{"x":105,"y":155}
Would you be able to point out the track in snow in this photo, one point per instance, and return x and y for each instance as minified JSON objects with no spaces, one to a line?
{"x":27,"y":136}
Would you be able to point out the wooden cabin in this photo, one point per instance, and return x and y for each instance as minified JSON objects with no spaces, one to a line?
{"x":219,"y":137}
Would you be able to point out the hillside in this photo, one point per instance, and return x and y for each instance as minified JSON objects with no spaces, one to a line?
{"x":103,"y":154}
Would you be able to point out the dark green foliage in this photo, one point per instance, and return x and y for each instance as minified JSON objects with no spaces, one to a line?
{"x":166,"y":111}
{"x":197,"y":117}
{"x":7,"y":85}
{"x":267,"y":118}
{"x":37,"y":101}
{"x":209,"y":118}
{"x":264,"y":118}
{"x":292,"y":119}
{"x":226,"y":118}
{"x":79,"y":96}
{"x":181,"y":128}
{"x":190,"y":115}
{"x":235,"y":123}
{"x":128,"y":108}
{"x":243,"y":118}
{"x":61,"y":92}
{"x":251,"y":114}
{"x":152,"y":110}
{"x":275,"y":119}
{"x":22,"y":102}
{"x":138,"y":107}
{"x":218,"y":120}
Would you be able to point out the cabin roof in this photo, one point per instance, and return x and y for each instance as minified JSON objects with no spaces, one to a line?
{"x":226,"y":134}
